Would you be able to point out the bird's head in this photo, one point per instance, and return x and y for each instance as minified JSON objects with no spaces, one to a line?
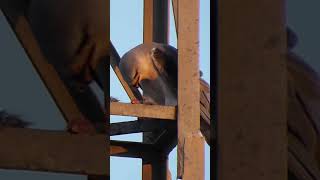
{"x":144,"y":67}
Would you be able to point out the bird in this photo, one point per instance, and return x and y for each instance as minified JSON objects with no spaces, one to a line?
{"x":153,"y":67}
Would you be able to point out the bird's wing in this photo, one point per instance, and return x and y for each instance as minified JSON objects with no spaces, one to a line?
{"x":205,"y":120}
{"x":307,"y":84}
{"x":303,"y":119}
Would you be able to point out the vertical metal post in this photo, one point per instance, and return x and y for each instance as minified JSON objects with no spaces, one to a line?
{"x":155,"y":168}
{"x":161,"y":21}
{"x":156,"y":21}
{"x":107,"y":90}
{"x":190,"y":141}
{"x":148,"y":21}
{"x":155,"y":29}
{"x":252,"y":127}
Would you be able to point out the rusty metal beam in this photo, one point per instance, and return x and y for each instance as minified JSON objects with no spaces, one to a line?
{"x":142,"y":110}
{"x":125,"y":128}
{"x":93,"y":177}
{"x":161,"y":19}
{"x":106,"y":82}
{"x":155,"y":168}
{"x":156,"y":21}
{"x":148,"y":20}
{"x":167,"y":140}
{"x":132,"y":149}
{"x":155,"y":29}
{"x":42,"y":150}
{"x":13,"y":9}
{"x":129,"y":127}
{"x":190,"y":141}
{"x":252,"y":91}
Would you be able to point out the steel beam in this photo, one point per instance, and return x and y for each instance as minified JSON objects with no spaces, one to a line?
{"x":190,"y":140}
{"x":43,"y":150}
{"x":252,"y":90}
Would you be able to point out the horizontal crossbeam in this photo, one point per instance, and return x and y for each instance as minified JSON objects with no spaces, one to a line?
{"x":138,"y":126}
{"x":43,"y":150}
{"x":132,"y":149}
{"x":144,"y":111}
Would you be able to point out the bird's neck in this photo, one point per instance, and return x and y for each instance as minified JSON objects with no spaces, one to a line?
{"x":170,"y":94}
